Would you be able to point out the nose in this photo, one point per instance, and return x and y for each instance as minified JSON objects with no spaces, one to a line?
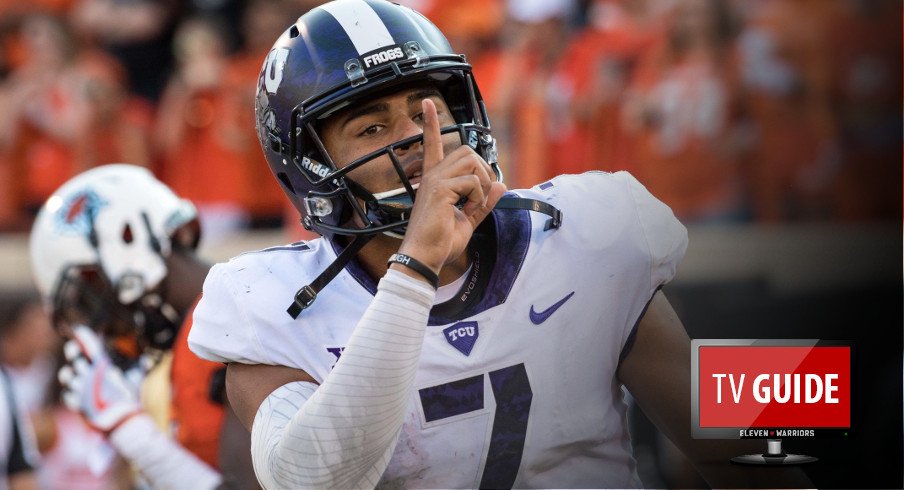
{"x":410,"y":128}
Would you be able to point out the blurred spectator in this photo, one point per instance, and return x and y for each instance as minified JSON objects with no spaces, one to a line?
{"x":27,"y":348}
{"x":115,"y":125}
{"x":75,"y":456}
{"x":468,"y":24}
{"x":35,"y":125}
{"x":682,"y":107}
{"x":138,"y":33}
{"x":790,"y":120}
{"x":201,"y":146}
{"x":16,"y":468}
{"x":66,"y":110}
{"x":263,"y":22}
{"x":24,"y":344}
{"x":72,"y":455}
{"x":231,"y":13}
{"x":598,"y":66}
{"x":784,"y":60}
{"x":865,"y":47}
{"x":527,"y":104}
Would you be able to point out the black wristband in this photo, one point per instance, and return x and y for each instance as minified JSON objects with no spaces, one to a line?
{"x":416,"y":266}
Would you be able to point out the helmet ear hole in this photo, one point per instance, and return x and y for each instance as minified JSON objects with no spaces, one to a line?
{"x":127,"y":233}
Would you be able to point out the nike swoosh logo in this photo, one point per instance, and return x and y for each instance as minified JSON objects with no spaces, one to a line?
{"x":99,"y":401}
{"x":538,"y":318}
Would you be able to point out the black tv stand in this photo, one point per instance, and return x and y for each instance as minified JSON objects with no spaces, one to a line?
{"x":774,"y":455}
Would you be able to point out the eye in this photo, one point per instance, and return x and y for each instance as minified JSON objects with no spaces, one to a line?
{"x":418,"y":117}
{"x":371,"y":130}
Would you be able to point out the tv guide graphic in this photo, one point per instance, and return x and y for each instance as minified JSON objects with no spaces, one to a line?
{"x":770,"y":389}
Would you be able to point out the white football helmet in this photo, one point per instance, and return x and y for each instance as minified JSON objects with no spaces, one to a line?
{"x":98,"y":250}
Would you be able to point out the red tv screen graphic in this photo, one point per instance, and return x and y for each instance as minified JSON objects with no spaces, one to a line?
{"x":774,"y":386}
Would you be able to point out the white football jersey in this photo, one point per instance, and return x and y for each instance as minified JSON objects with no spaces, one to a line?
{"x":516,"y":384}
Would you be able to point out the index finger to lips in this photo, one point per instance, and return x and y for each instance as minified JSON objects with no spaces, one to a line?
{"x":433,"y":144}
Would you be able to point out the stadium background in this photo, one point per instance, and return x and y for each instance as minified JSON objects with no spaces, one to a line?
{"x":772,"y":128}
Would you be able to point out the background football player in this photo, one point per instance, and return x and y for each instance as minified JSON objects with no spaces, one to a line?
{"x":113,"y":252}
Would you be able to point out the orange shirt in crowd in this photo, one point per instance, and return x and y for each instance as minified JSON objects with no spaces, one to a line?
{"x":201,"y":164}
{"x":598,"y":66}
{"x":263,"y":196}
{"x":683,"y":115}
{"x":196,"y":418}
{"x":85,"y":118}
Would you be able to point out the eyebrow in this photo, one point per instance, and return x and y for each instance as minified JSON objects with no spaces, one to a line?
{"x":383,"y":106}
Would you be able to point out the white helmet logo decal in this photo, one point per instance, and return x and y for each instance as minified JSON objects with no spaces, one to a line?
{"x":79,"y":210}
{"x":273,"y":69}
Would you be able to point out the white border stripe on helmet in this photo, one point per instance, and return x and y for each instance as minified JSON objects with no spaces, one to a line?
{"x":363,"y":26}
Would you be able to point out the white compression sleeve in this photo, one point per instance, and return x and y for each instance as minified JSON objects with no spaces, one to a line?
{"x":160,"y":458}
{"x":343,"y":433}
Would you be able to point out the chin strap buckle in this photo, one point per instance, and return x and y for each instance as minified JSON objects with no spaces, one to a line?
{"x":555,"y":220}
{"x":554,"y":213}
{"x":303,"y":298}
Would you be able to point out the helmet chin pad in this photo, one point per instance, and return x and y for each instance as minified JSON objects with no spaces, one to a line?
{"x":394,"y":205}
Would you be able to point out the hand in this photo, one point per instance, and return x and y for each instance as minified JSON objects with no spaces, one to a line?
{"x":438,"y":230}
{"x":93,"y":386}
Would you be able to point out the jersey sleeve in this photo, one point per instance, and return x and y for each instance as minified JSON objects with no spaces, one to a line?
{"x":628,"y":244}
{"x":220,"y":330}
{"x":665,"y":236}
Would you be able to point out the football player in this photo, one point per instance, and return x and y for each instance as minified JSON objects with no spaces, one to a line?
{"x":113,"y":253}
{"x":444,"y":332}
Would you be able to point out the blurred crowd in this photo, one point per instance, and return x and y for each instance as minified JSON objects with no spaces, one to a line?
{"x":728,"y":110}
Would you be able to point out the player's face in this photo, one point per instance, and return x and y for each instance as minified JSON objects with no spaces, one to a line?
{"x":367,"y":127}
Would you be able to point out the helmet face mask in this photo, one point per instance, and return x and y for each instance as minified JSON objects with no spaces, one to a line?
{"x":303,"y":83}
{"x":84,"y":295}
{"x":385,"y":211}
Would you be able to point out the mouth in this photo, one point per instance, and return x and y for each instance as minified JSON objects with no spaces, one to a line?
{"x":413,"y":171}
{"x":415,"y":177}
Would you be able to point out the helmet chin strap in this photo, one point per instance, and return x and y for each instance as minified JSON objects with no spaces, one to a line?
{"x":554,"y":213}
{"x":305,"y":296}
{"x":398,"y":203}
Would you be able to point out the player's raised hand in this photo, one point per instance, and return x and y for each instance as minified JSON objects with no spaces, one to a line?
{"x":439,"y":230}
{"x":93,"y":386}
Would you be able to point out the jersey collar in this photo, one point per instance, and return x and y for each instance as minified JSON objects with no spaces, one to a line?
{"x":502,"y":242}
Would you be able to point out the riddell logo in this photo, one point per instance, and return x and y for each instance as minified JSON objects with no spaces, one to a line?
{"x":314,"y":167}
{"x":383,"y":57}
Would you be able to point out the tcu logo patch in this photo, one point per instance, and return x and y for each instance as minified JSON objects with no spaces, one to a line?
{"x":462,"y":336}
